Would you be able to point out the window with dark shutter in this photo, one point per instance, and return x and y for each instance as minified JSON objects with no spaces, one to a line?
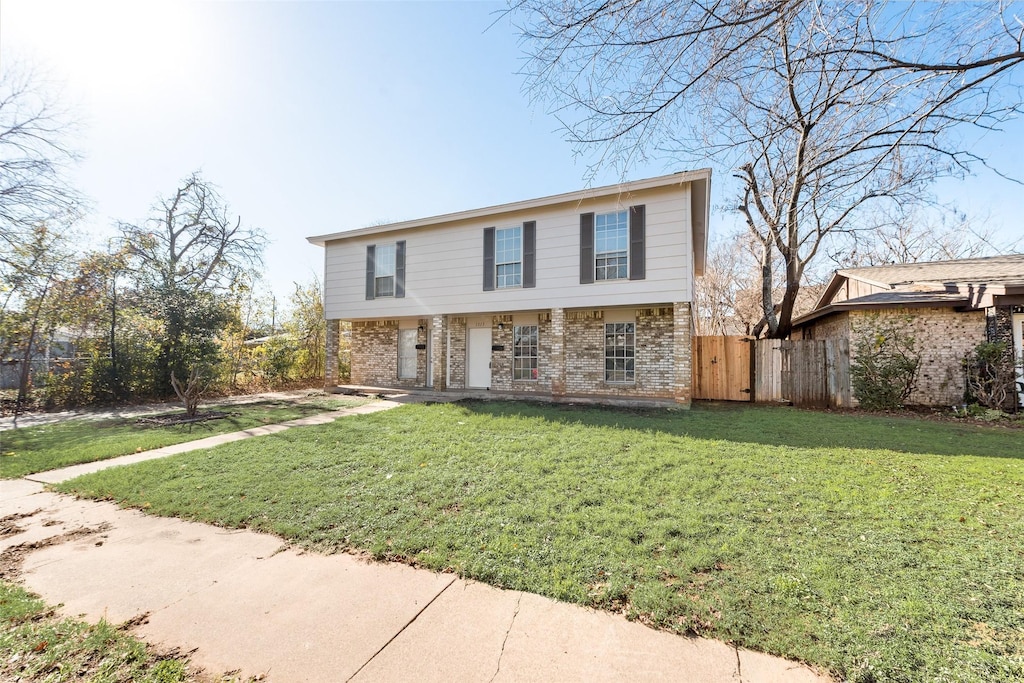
{"x":371,"y":263}
{"x":586,"y":248}
{"x":384,"y":263}
{"x":399,"y":269}
{"x":637,"y":248}
{"x":488,"y":259}
{"x":530,"y":254}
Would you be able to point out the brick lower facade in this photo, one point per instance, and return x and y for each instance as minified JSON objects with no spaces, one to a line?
{"x":943,"y":336}
{"x":570,"y":353}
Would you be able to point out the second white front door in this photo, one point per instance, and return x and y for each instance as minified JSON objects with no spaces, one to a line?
{"x":479,"y":361}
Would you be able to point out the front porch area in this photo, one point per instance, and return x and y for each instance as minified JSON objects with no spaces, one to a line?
{"x":620,"y":355}
{"x":423,"y":395}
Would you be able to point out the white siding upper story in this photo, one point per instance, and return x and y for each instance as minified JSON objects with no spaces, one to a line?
{"x":444,"y":255}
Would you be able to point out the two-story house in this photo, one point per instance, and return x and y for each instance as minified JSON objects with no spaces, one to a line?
{"x":579,"y":296}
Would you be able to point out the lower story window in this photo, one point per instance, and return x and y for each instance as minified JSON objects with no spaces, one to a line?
{"x":524,"y":352}
{"x":407,"y":354}
{"x":619,"y":351}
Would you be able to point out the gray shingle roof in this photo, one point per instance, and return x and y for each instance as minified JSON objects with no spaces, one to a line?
{"x":1005,"y":269}
{"x":891,"y":299}
{"x":896,"y":298}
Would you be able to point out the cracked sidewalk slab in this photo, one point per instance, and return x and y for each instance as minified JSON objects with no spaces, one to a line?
{"x":241,"y":603}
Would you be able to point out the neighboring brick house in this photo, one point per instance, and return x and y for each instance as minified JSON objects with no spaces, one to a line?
{"x":578,"y":296}
{"x":949,"y":307}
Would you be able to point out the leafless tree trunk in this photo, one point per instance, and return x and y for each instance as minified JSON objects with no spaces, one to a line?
{"x":189,"y":391}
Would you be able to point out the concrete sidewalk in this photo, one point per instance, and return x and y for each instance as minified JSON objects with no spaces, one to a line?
{"x":246,"y":602}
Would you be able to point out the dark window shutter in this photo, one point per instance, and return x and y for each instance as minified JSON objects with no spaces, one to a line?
{"x":370,"y":266}
{"x":586,"y":248}
{"x":530,"y":254}
{"x":488,"y":259}
{"x":399,"y":269}
{"x":637,"y":250}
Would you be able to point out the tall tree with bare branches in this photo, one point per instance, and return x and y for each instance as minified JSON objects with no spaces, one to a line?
{"x":184,"y":259}
{"x":823,"y":110}
{"x":34,"y":156}
{"x":35,"y":195}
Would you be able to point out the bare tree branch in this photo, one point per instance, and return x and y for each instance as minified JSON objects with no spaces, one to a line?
{"x":824,"y":110}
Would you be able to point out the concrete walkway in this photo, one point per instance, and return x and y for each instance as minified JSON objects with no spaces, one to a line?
{"x":247,"y":603}
{"x":72,"y":471}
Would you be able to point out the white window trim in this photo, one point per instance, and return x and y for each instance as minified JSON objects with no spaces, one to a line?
{"x":620,"y":382}
{"x":535,"y":356}
{"x":598,"y":254}
{"x":498,"y":263}
{"x":377,"y":277}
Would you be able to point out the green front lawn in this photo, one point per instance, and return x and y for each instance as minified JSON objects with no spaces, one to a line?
{"x":38,"y":645}
{"x":47,"y":447}
{"x":880,"y":549}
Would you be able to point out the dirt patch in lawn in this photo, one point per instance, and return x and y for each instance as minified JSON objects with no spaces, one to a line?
{"x":938,"y":415}
{"x":172,"y":419}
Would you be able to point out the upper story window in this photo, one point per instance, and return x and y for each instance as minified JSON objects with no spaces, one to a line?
{"x":611,"y":245}
{"x":384,"y":270}
{"x":508,"y":257}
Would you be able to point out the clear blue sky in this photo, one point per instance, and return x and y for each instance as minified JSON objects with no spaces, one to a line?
{"x":315,"y":117}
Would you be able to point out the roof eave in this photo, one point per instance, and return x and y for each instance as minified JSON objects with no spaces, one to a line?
{"x":680,"y":178}
{"x":871,"y":305}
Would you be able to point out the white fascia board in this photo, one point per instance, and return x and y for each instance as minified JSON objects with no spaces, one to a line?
{"x":680,"y":178}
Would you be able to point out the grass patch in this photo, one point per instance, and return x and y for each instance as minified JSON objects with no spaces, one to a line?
{"x":37,"y":645}
{"x":880,"y":549}
{"x":46,"y":447}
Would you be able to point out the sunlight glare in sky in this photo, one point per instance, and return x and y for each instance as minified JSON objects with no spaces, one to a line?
{"x":121,"y":50}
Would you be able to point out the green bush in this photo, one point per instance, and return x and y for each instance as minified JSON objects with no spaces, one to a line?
{"x":884,"y":371}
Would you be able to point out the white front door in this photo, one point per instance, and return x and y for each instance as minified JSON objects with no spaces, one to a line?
{"x":479,"y":361}
{"x":1018,"y":352}
{"x":407,"y":354}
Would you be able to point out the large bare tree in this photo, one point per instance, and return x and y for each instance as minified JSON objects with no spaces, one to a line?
{"x":191,"y":241}
{"x":35,"y":154}
{"x":184,"y":259}
{"x":822,"y":110}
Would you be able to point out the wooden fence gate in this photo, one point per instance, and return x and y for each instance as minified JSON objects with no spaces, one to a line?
{"x":804,"y":372}
{"x":722,"y":370}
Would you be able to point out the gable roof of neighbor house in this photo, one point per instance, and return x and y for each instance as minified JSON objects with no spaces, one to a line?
{"x":699,"y":226}
{"x":957,"y":283}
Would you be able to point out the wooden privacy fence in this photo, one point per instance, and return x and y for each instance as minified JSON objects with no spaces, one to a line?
{"x":804,"y":372}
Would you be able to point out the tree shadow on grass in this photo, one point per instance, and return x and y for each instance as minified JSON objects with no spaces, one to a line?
{"x":779,"y":426}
